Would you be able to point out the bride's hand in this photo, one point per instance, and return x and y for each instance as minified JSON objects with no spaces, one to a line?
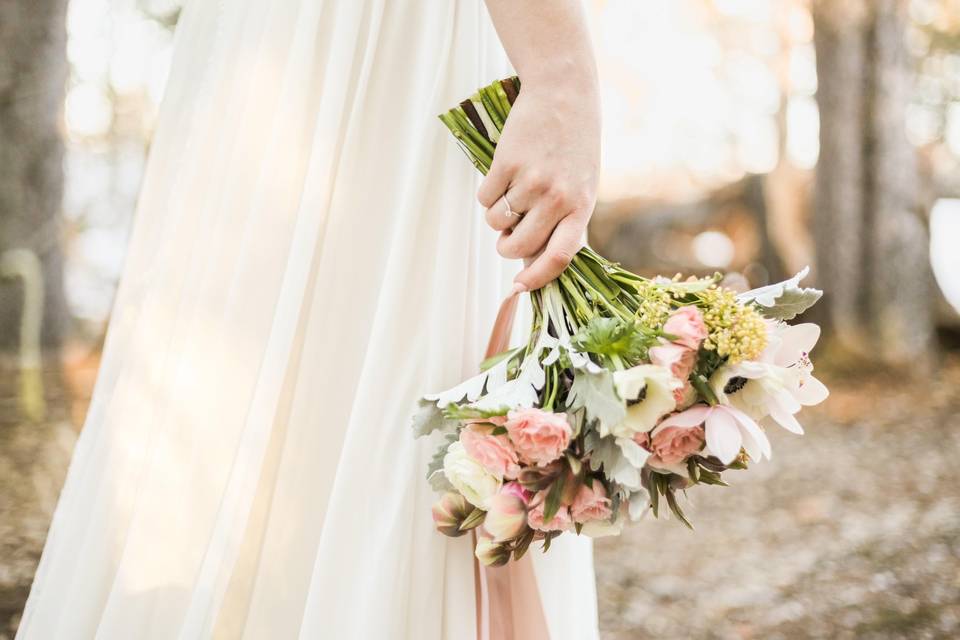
{"x":547,"y":164}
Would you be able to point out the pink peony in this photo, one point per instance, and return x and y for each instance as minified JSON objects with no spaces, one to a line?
{"x":687,"y":327}
{"x":493,"y":453}
{"x":540,"y":437}
{"x":591,"y":503}
{"x":560,"y":522}
{"x":671,"y":445}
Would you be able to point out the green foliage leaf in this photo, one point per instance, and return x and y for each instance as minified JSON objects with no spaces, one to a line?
{"x":613,"y":337}
{"x":493,"y":361}
{"x":552,"y":503}
{"x":593,"y":391}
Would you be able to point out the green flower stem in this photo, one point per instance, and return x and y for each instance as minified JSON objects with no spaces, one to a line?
{"x":581,"y":305}
{"x":617,"y":362}
{"x":583,"y":268}
{"x":703,"y":388}
{"x":598,"y":295}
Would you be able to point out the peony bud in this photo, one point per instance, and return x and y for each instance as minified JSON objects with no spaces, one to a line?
{"x":449,"y":512}
{"x":492,"y":554}
{"x":507,"y":515}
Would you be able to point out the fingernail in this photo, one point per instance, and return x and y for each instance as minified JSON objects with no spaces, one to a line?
{"x":518,"y":287}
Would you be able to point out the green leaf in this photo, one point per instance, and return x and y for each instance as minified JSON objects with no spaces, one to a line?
{"x":608,"y":455}
{"x":783,"y":300}
{"x":792,"y":303}
{"x":574,"y":463}
{"x":675,"y":508}
{"x":593,"y":391}
{"x":473,"y":520}
{"x":435,"y":476}
{"x":430,"y":418}
{"x":552,"y":503}
{"x":458,"y":412}
{"x":492,"y":361}
{"x":613,"y":337}
{"x":523,"y":543}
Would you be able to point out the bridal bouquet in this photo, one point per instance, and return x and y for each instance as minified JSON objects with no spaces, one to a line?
{"x":627,"y":392}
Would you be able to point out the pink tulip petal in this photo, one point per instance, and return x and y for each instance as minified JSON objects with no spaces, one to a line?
{"x":797,"y":340}
{"x":811,"y":392}
{"x":692,"y":417}
{"x":723,"y":436}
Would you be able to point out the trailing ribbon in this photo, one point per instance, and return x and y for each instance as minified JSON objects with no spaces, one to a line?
{"x":507,"y":598}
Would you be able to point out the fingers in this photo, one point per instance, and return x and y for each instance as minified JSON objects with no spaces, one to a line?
{"x":520,"y":201}
{"x":566,"y":240}
{"x":496,"y":183}
{"x":529,"y":235}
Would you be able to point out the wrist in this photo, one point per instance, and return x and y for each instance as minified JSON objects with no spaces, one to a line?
{"x":567,"y":74}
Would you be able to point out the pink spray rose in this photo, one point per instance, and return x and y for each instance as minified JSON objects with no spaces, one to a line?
{"x":671,"y":445}
{"x":591,"y":503}
{"x":687,"y":327}
{"x":540,"y":437}
{"x":680,"y":356}
{"x":493,"y":453}
{"x":560,"y":522}
{"x":507,"y":512}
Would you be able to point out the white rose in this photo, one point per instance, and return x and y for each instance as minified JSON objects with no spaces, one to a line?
{"x":654,"y":386}
{"x":469,"y":477}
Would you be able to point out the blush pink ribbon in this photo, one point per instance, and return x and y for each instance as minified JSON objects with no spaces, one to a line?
{"x":507,"y":598}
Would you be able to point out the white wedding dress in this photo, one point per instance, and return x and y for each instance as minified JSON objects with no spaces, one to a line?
{"x":307,"y":259}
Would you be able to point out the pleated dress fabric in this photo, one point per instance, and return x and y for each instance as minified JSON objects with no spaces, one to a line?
{"x":307,"y":258}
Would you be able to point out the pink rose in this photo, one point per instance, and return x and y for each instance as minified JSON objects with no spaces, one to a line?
{"x":540,"y":437}
{"x":642,"y":438}
{"x":560,"y":522}
{"x":591,"y":503}
{"x":687,"y":326}
{"x":671,"y":445}
{"x":493,"y":453}
{"x":679,"y":359}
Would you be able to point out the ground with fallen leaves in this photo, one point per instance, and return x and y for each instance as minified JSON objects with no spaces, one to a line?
{"x":851,"y":531}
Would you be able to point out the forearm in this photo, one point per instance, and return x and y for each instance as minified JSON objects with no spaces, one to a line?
{"x":547,"y":42}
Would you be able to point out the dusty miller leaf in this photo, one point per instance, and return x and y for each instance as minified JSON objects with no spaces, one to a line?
{"x":784,"y":300}
{"x":435,"y":476}
{"x":608,"y":455}
{"x":430,"y":418}
{"x":593,"y":391}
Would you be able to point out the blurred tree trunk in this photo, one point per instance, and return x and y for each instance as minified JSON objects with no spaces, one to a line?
{"x":33,"y":74}
{"x":870,"y":232}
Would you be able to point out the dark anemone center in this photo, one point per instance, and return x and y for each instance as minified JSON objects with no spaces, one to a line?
{"x":734,"y":384}
{"x":640,"y":397}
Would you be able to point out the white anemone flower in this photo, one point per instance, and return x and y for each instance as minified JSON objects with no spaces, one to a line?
{"x":727,"y":429}
{"x":780,"y":383}
{"x":648,"y":391}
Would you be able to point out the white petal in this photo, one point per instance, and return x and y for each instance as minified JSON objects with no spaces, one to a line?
{"x":797,"y":340}
{"x":751,"y":431}
{"x":811,"y":392}
{"x":723,"y":436}
{"x":786,"y":420}
{"x":690,"y":418}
